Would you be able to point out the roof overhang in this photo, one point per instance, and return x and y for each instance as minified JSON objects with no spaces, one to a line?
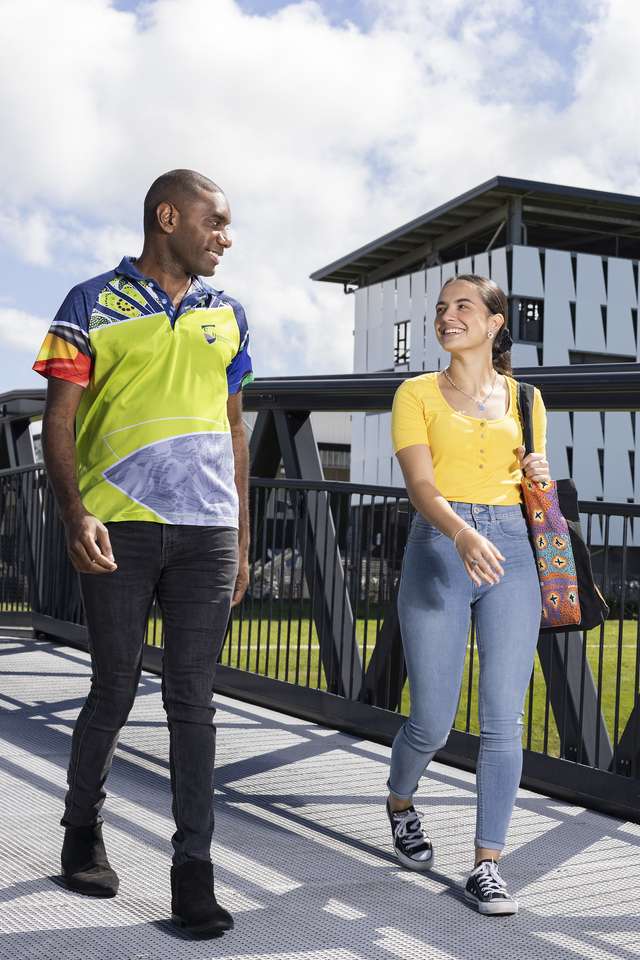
{"x":553,"y":211}
{"x":22,"y":405}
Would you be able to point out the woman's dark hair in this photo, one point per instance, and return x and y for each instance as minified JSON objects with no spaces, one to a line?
{"x":495,"y":301}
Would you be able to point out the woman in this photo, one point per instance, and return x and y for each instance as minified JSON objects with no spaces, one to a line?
{"x":458,"y":440}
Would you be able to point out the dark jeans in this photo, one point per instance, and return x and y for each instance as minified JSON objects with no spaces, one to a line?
{"x":192,"y":570}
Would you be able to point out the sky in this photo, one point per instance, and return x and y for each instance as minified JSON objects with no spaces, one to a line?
{"x":327,"y":124}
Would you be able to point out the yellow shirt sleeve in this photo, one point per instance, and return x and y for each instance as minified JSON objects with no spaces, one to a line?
{"x":539,"y":423}
{"x":408,"y":421}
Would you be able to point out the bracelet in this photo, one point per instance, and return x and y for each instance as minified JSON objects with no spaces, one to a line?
{"x":461,"y":530}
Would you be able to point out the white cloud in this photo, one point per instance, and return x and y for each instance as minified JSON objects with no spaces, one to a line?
{"x":21,"y":329}
{"x":97,"y":248}
{"x":28,"y":236}
{"x":324,"y":137}
{"x":39,"y":239}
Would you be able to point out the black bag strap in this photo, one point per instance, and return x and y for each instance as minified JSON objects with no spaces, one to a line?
{"x":525,"y":406}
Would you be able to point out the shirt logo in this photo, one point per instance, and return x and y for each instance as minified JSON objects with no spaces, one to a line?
{"x":209,"y":332}
{"x":210,"y":335}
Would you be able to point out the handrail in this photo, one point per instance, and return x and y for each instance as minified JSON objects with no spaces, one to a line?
{"x":12,"y":471}
{"x":599,"y":387}
{"x":597,"y":507}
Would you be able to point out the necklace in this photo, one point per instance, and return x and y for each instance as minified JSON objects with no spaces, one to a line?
{"x":182,"y":295}
{"x":482,"y":403}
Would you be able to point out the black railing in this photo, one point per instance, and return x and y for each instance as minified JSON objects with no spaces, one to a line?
{"x":317,"y":632}
{"x":597,"y":386}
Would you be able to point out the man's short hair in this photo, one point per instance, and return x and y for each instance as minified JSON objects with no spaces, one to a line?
{"x":173,"y":187}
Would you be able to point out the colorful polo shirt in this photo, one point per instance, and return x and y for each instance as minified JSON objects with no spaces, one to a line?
{"x":152,"y":433}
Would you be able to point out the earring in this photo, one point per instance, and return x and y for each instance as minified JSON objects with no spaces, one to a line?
{"x":490,"y":335}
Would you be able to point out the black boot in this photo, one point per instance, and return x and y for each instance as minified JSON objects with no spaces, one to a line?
{"x":85,"y":867}
{"x":193,"y":903}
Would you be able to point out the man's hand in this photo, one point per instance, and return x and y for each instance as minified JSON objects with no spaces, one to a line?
{"x":87,"y":538}
{"x":89,"y":545}
{"x":242,"y":581}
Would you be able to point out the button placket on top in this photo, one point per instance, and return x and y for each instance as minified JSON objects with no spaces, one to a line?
{"x":483,"y":428}
{"x":190,"y":299}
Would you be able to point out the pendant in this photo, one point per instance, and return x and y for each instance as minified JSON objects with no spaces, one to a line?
{"x":481,"y":406}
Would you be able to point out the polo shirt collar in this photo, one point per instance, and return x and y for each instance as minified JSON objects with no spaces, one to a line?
{"x":127,"y":268}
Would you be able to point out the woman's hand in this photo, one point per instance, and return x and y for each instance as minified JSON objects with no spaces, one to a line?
{"x":480,"y":557}
{"x":534,"y":465}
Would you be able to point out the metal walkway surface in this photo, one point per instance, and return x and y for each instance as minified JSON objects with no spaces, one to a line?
{"x":302,"y":849}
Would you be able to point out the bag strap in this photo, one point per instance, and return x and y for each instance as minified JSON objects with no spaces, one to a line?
{"x":525,"y":407}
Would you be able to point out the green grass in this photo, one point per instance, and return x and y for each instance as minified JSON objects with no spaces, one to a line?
{"x":270,"y":647}
{"x":17,"y":606}
{"x":604,"y":658}
{"x":283,"y":644}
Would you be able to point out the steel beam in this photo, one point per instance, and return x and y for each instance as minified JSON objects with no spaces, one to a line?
{"x":439,"y":243}
{"x":626,"y":759}
{"x":574,"y":699}
{"x":514,"y":221}
{"x":607,"y":386}
{"x":590,"y":386}
{"x":334,"y":620}
{"x":386,"y":672}
{"x":264,"y":449}
{"x":581,"y":215}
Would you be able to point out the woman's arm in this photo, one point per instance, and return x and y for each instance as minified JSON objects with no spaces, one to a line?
{"x":417,"y":469}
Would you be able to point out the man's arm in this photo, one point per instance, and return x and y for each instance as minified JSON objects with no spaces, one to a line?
{"x":241,"y":468}
{"x":87,"y":538}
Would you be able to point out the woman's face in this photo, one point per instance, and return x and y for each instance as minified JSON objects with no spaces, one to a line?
{"x":462,"y":321}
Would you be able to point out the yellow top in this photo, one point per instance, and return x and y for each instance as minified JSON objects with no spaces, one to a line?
{"x":474,"y":460}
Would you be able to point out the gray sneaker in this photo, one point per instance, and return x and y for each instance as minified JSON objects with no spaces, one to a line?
{"x":412,"y":847}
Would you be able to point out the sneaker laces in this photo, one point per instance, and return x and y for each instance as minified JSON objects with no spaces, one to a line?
{"x":489,"y":880}
{"x":409,"y":829}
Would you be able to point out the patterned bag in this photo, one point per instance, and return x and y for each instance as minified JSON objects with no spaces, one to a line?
{"x":570,"y":597}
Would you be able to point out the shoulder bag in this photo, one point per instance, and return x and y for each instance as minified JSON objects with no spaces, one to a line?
{"x":570,"y":598}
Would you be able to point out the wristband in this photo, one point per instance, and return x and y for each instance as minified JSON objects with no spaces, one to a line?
{"x":461,"y":530}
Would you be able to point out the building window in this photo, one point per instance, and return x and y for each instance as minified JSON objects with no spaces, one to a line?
{"x":527,"y":322}
{"x":401,"y":343}
{"x":336,"y":460}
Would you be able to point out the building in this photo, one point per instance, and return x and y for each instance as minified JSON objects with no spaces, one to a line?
{"x":568,"y":260}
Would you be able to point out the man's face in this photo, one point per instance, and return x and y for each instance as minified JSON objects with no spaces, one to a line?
{"x":201,"y":233}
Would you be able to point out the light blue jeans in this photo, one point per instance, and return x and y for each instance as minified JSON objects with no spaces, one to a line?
{"x":435,"y":601}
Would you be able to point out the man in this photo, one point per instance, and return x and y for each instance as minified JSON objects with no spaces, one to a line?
{"x":146,"y":452}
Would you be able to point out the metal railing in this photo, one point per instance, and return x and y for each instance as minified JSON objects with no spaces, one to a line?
{"x":317,"y":633}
